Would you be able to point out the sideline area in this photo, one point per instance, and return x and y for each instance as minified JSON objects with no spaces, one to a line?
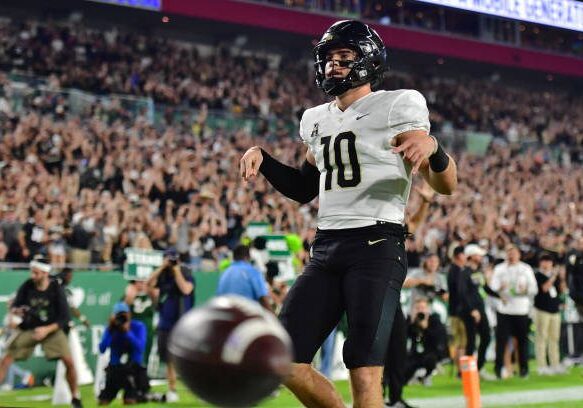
{"x":535,"y":392}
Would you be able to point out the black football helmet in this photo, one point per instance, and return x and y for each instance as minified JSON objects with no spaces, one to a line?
{"x":370,"y":66}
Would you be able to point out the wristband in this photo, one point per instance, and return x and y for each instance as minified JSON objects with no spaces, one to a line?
{"x":439,"y":160}
{"x":436,"y":145}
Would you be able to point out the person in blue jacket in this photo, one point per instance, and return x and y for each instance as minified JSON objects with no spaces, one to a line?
{"x":126,"y":339}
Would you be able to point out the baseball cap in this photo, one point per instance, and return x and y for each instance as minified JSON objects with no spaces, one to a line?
{"x":458,"y":250}
{"x":171,"y":253}
{"x":121,"y":307}
{"x":474,"y":249}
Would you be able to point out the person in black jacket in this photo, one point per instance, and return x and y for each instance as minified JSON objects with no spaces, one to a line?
{"x":42,"y":305}
{"x":574,"y":268}
{"x":428,"y":339}
{"x":547,"y":318}
{"x":458,"y":283}
{"x":476,"y":322}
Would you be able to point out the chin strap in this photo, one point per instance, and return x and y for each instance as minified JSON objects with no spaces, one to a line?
{"x":335,"y":86}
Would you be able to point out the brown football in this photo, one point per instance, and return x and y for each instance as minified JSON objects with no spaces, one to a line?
{"x":230,"y":352}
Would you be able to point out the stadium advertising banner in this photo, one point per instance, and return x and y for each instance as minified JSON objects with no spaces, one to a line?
{"x":557,"y":13}
{"x":143,"y":4}
{"x":140,"y":263}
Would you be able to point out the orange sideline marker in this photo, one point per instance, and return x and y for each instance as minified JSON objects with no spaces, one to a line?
{"x":471,"y":381}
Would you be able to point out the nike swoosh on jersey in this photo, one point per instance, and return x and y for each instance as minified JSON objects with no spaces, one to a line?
{"x":376,"y":241}
{"x":362,"y":116}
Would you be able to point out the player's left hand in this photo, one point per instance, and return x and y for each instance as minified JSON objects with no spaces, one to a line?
{"x":415,"y":146}
{"x":250,"y":163}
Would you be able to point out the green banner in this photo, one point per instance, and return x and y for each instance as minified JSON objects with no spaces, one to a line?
{"x":478,"y":142}
{"x":140,"y":263}
{"x":256,"y":229}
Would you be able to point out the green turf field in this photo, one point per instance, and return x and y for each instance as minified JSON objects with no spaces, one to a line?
{"x":444,"y":385}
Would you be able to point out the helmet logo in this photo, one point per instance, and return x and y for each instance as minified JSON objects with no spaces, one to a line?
{"x":327,"y":37}
{"x":362,"y":73}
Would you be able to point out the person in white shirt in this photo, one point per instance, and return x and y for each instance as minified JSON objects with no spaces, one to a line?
{"x":516,"y":284}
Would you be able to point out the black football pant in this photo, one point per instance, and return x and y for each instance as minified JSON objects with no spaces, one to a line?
{"x":516,"y":326}
{"x":394,"y":373}
{"x":357,"y":271}
{"x":482,"y":329}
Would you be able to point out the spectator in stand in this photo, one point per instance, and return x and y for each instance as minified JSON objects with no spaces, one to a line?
{"x":547,"y":319}
{"x":36,"y":234}
{"x":515,"y":282}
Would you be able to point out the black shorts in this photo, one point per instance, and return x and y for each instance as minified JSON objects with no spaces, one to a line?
{"x":163,"y":337}
{"x":356,"y":271}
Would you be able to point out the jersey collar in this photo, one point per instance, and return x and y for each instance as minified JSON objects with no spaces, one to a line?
{"x":333,"y":108}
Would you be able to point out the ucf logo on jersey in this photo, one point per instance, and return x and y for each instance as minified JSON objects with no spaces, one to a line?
{"x":314,"y":131}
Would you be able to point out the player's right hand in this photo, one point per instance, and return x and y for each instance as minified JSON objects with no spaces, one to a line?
{"x":250,"y":163}
{"x":414,"y":146}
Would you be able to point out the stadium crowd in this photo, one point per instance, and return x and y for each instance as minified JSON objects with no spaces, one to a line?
{"x":91,"y":189}
{"x":178,"y":75}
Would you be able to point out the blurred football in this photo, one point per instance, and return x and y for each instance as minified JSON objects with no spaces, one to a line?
{"x":230,"y":352}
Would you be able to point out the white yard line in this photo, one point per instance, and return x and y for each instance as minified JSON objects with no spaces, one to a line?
{"x":506,"y":399}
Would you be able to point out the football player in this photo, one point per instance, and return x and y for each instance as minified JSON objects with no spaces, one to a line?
{"x":363,"y":148}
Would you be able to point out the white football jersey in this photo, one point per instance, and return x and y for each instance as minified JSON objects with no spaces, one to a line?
{"x":361,"y":180}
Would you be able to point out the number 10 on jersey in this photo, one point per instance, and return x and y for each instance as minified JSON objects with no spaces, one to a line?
{"x":342,"y":181}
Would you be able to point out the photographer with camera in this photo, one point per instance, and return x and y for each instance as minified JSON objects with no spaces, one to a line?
{"x":427,"y":282}
{"x":124,"y":336}
{"x":42,"y":305}
{"x":428,"y":340}
{"x":172,"y":286}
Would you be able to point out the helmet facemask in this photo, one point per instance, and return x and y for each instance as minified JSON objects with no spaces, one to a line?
{"x":337,"y":85}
